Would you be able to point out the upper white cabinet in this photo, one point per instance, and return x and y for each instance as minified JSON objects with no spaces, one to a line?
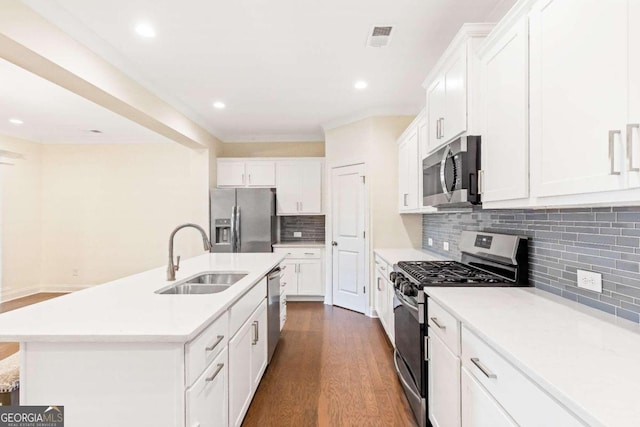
{"x":408,"y":162}
{"x":633,"y":121}
{"x":299,"y":187}
{"x":451,"y":87}
{"x":246,"y":173}
{"x":504,"y":71}
{"x":580,"y":87}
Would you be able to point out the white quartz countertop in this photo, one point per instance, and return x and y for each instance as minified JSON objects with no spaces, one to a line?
{"x":129,"y":310}
{"x":586,"y":359}
{"x":299,"y":245}
{"x":392,"y":256}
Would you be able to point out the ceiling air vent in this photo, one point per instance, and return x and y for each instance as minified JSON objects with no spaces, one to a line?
{"x":380,"y":36}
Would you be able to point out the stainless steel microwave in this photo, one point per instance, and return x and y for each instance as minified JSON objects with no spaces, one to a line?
{"x":450,"y":174}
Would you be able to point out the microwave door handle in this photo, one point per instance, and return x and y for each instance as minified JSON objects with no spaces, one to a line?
{"x":443,"y":167}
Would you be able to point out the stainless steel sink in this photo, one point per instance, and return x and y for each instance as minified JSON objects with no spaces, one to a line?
{"x":206,"y":283}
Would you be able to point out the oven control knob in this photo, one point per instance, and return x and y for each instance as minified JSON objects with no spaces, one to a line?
{"x":411,"y":291}
{"x":393,"y":276}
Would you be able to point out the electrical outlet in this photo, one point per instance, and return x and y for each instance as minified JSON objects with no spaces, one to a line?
{"x":590,"y":280}
{"x":430,"y":241}
{"x":445,"y":245}
{"x":297,"y":234}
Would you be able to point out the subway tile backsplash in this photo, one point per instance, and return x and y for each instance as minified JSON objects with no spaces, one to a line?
{"x":311,"y":227}
{"x":604,"y":240}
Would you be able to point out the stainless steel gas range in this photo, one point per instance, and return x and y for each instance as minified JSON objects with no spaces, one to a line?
{"x":488,"y":259}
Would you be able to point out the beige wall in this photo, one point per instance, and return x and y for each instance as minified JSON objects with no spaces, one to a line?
{"x":108,"y":210}
{"x":20,"y":218}
{"x":273,"y":149}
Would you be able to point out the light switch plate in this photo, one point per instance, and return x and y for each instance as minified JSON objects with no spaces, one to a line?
{"x":430,"y":241}
{"x":297,"y":234}
{"x":590,"y":280}
{"x":446,"y":246}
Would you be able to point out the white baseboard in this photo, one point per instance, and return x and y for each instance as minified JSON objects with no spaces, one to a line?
{"x":13,"y":294}
{"x":301,"y":298}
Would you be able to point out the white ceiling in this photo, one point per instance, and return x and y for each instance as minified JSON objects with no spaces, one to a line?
{"x":52,"y":114}
{"x":284,"y":68}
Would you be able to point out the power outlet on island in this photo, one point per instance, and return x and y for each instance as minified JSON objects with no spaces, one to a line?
{"x":297,"y":234}
{"x":590,"y":280}
{"x":430,"y":241}
{"x":445,"y":245}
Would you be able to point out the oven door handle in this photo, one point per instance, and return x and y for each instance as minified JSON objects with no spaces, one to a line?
{"x":412,"y":307}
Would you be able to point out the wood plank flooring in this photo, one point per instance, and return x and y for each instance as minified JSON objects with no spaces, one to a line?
{"x":7,"y":349}
{"x":332,"y":367}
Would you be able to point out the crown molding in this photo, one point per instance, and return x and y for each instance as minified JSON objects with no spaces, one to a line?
{"x":402,"y":110}
{"x":248,"y":138}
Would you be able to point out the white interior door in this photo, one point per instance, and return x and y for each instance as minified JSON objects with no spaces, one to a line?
{"x":348,"y":227}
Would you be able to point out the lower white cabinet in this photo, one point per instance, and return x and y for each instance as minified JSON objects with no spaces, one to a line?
{"x":479,"y":408}
{"x":247,"y":362}
{"x":207,"y":402}
{"x":303,"y":274}
{"x":383,"y":297}
{"x":444,"y":384}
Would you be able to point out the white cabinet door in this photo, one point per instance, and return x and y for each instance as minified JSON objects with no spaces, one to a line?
{"x":231,"y":173}
{"x":436,"y":105}
{"x":578,"y":95}
{"x":258,"y":344}
{"x":378,"y":292}
{"x":290,"y":277}
{"x":505,"y":137}
{"x":310,"y":178}
{"x":287,"y":187}
{"x":207,"y":399}
{"x":310,"y":277}
{"x":388,"y":310}
{"x":423,"y":139}
{"x":444,"y":384}
{"x":261,"y":173}
{"x":403,"y":176}
{"x":633,"y":122}
{"x":240,"y":375}
{"x":408,"y":172}
{"x":455,"y":82}
{"x":479,"y":408}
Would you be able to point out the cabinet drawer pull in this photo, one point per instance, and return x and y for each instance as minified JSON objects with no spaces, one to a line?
{"x":435,"y":322}
{"x":630,"y":145}
{"x":215,"y":344}
{"x":309,"y":253}
{"x":612,"y":152}
{"x":378,"y":286}
{"x":482,"y":368}
{"x":256,"y":337}
{"x":215,"y":374}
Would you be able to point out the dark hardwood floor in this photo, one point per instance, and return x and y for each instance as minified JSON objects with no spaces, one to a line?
{"x":332,"y":367}
{"x":7,"y":349}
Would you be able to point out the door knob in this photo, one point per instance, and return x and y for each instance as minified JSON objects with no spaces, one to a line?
{"x":334,"y":243}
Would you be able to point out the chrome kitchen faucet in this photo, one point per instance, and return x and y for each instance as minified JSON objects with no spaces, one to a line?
{"x":172,"y":268}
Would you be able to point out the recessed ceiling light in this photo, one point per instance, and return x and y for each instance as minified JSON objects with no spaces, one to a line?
{"x":16,"y":122}
{"x":219,"y":105}
{"x":145,"y":30}
{"x":360,"y":85}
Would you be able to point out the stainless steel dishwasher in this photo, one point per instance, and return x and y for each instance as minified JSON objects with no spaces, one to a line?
{"x":273,"y":310}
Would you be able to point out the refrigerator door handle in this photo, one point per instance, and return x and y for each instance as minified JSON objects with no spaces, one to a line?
{"x":238,"y":230}
{"x":233,"y":229}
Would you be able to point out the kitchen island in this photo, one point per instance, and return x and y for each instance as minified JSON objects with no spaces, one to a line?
{"x":122,"y":354}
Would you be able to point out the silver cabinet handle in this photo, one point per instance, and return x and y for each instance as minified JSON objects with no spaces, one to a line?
{"x":378,"y":285}
{"x":612,"y":152}
{"x":383,"y":268}
{"x":377,"y":263}
{"x":256,"y":337}
{"x":300,"y":206}
{"x":435,"y":322}
{"x":215,"y":344}
{"x":482,"y":368}
{"x":481,"y":181}
{"x":242,"y":179}
{"x":442,"y":128}
{"x":405,"y":199}
{"x":309,"y":253}
{"x":630,"y":145}
{"x":438,"y":129}
{"x":215,"y":374}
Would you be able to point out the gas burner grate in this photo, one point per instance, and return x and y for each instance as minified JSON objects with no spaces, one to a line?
{"x":434,"y":272}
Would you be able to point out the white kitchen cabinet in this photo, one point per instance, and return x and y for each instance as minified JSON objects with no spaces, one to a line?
{"x":479,"y":408}
{"x":383,"y":297}
{"x":207,"y":398}
{"x":578,"y":94}
{"x":444,"y":384}
{"x":505,"y":113}
{"x":246,"y":173}
{"x":408,"y":159}
{"x":303,"y":276}
{"x":247,"y":362}
{"x":451,"y":88}
{"x":299,"y":187}
{"x":633,"y":120}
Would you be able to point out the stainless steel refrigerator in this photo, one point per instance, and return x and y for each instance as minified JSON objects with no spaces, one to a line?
{"x":243,"y":219}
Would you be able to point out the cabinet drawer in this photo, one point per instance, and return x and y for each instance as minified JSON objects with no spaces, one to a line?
{"x":525,"y":402}
{"x":300,"y":252}
{"x":207,"y":398}
{"x":201,"y":351}
{"x":382,"y":266}
{"x":241,"y":310}
{"x":444,"y":325}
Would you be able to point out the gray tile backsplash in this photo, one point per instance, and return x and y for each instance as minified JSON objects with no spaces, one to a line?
{"x":604,"y":240}
{"x":312,"y":228}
